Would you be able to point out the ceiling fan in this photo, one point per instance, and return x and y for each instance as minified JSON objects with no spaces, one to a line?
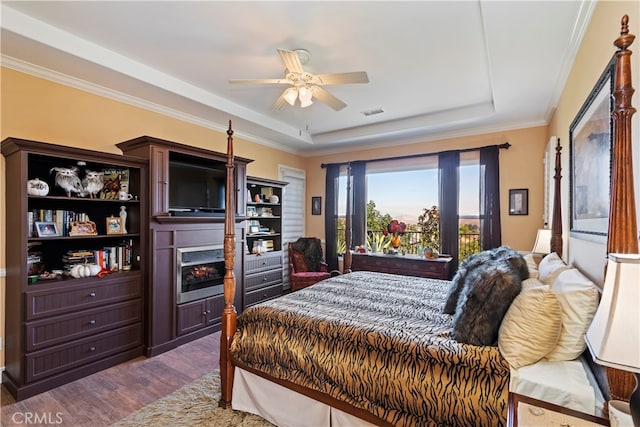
{"x":304,"y":85}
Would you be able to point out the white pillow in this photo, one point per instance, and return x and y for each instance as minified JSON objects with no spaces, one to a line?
{"x":549,"y":268}
{"x":532,"y":266}
{"x":578,"y":297}
{"x":531,"y":327}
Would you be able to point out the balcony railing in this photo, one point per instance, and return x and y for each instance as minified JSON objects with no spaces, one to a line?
{"x":469,"y":243}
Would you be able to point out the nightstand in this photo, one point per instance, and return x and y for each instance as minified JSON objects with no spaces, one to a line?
{"x":525,"y":411}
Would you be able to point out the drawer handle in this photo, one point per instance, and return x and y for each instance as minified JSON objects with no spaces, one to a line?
{"x":264,"y":279}
{"x":264,"y":263}
{"x":92,"y":322}
{"x":92,"y":294}
{"x":264,"y":295}
{"x":204,"y":313}
{"x":92,"y":349}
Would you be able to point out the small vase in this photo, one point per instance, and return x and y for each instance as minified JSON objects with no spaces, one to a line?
{"x":395,"y":242}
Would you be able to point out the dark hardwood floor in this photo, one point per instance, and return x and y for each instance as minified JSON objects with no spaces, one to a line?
{"x":110,"y":395}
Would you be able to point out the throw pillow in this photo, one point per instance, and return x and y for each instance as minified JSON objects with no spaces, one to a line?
{"x":457,"y":283}
{"x":485,"y":298}
{"x":531,"y":265}
{"x":578,"y":297}
{"x":550,"y":267}
{"x":531,"y":327}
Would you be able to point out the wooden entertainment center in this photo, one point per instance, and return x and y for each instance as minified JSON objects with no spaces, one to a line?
{"x":170,"y":323}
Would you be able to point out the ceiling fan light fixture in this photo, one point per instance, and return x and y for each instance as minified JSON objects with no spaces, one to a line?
{"x":305,"y":103}
{"x":290,"y":95}
{"x":304,"y":94}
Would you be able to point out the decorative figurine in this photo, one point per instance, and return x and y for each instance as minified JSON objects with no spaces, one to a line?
{"x":35,"y":187}
{"x":92,"y":183}
{"x":123,"y":217}
{"x":67,"y":179}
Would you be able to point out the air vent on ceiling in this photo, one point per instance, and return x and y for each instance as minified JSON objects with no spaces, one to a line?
{"x":372,"y":112}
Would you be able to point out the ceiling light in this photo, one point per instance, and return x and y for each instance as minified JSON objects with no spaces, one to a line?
{"x":305,"y":103}
{"x":290,"y":95}
{"x":304,"y":94}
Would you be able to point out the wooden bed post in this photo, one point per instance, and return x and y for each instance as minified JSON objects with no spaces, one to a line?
{"x":556,"y":219}
{"x":229,"y":311}
{"x":623,"y":230}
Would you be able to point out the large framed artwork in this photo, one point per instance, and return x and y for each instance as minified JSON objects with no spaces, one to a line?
{"x":591,"y":138}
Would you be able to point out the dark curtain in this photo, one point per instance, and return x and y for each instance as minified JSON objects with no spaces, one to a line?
{"x":490,"y":234}
{"x":359,"y":193}
{"x":448,"y":163}
{"x":331,"y":215}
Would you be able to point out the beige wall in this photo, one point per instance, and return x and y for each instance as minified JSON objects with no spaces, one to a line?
{"x":595,"y":52}
{"x":520,"y":167}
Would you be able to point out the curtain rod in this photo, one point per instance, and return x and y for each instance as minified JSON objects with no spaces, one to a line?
{"x":506,"y":146}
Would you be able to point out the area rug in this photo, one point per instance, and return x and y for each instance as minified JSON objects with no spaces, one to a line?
{"x":194,"y":405}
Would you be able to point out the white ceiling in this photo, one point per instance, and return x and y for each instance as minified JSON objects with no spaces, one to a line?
{"x":436,"y":68}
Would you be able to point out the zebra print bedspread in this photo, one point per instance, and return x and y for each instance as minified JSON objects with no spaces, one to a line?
{"x":381,"y":343}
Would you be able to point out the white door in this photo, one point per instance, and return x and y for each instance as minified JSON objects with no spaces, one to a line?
{"x":293,"y":211}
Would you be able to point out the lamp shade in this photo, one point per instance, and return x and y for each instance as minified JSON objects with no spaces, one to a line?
{"x":290,"y":95}
{"x":543,"y":242}
{"x":614,"y":335}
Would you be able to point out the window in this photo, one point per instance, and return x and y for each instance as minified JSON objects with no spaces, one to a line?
{"x":403,"y":190}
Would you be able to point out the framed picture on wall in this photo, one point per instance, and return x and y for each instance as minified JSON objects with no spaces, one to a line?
{"x":590,"y":142}
{"x":519,"y":201}
{"x":316,"y":205}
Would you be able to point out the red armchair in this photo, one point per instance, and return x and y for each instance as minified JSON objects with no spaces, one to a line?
{"x":306,"y":263}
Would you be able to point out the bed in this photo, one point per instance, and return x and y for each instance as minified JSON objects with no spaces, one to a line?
{"x":371,"y":348}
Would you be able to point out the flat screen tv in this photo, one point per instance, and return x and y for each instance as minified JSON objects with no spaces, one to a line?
{"x":195,"y":189}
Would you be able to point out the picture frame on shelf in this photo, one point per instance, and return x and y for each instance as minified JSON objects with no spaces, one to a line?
{"x":83,"y":228}
{"x":519,"y":201}
{"x":114,"y":225}
{"x":46,"y":229}
{"x":252,"y":211}
{"x":590,"y":145}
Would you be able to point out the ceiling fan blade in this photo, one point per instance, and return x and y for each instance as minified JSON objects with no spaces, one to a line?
{"x":291,"y":61}
{"x":261,"y":81}
{"x":342,"y":78}
{"x":280,"y":102}
{"x":325,"y":97}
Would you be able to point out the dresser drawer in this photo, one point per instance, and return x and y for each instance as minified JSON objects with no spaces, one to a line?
{"x":263,"y":294}
{"x":264,"y":279}
{"x":255,"y":264}
{"x":63,"y":357}
{"x":60,"y":300}
{"x":59,"y":329}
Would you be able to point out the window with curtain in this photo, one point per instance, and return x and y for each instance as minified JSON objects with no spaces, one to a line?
{"x":402,"y":190}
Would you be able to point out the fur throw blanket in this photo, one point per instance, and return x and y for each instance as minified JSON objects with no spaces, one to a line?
{"x":311,"y":248}
{"x":481,"y":292}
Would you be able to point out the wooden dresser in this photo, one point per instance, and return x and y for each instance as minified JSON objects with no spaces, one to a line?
{"x":406,"y":265}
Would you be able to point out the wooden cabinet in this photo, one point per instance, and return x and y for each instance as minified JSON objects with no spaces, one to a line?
{"x":60,"y":328}
{"x":264,"y":259}
{"x":407,"y":265}
{"x":170,"y":323}
{"x":263,"y":277}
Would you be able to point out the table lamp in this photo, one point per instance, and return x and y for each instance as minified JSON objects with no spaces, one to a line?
{"x":543,"y":242}
{"x":614,"y":335}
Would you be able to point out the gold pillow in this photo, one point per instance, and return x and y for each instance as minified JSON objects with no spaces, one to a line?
{"x":531,"y":327}
{"x":532,"y":266}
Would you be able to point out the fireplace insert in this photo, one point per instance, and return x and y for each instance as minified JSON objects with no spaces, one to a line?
{"x":200,"y":272}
